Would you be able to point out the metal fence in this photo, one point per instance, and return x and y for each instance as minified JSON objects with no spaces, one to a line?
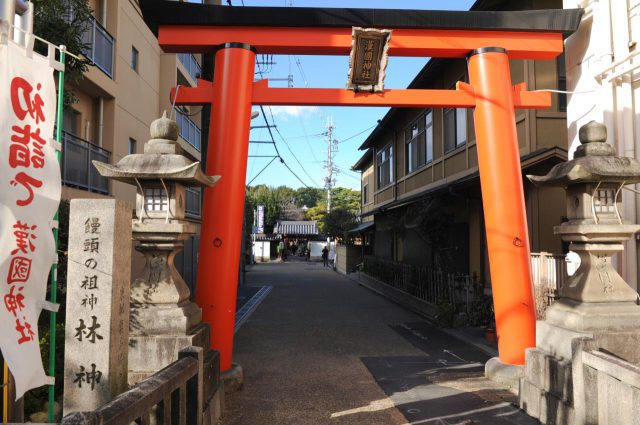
{"x":548,"y":273}
{"x":77,"y":169}
{"x":99,"y":47}
{"x":462,"y":292}
{"x":189,"y":130}
{"x":191,"y":64}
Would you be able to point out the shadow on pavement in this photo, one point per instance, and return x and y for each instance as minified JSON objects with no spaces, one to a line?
{"x":446,"y":385}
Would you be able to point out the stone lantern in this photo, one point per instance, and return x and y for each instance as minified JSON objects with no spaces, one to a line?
{"x":161,"y":311}
{"x":595,"y":229}
{"x":596,"y":309}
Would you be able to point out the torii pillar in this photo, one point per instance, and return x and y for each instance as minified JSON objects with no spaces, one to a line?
{"x":221,"y":231}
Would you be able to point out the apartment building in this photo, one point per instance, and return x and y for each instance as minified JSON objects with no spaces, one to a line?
{"x":124,"y":90}
{"x":420,"y":184}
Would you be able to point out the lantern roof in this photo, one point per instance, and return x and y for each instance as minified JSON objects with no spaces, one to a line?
{"x":162,"y":159}
{"x":594,"y":161}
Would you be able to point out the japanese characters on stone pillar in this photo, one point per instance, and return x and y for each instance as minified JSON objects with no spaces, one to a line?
{"x":97,"y":315}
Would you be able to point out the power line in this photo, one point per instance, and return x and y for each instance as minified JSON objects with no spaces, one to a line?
{"x":357,"y":134}
{"x":260,"y":172}
{"x":287,"y":145}
{"x":276,"y":146}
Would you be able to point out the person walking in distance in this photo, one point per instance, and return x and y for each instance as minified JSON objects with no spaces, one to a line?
{"x":325,"y":256}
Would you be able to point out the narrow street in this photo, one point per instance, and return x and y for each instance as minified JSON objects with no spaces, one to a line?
{"x":320,"y":349}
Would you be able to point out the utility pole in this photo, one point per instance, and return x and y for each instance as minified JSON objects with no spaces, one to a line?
{"x":332,"y":147}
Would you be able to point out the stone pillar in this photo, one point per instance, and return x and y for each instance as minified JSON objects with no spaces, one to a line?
{"x":97,"y":314}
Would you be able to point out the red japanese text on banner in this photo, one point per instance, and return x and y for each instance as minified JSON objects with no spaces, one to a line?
{"x":29,"y":197}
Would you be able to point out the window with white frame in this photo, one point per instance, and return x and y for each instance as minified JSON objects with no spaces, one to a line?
{"x":415,"y":146}
{"x":384,"y":166}
{"x":455,"y":128}
{"x":604,"y":201}
{"x":156,"y":199}
{"x":428,"y":134}
{"x":419,"y":142}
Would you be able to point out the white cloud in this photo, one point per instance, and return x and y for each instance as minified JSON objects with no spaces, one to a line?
{"x":293,"y":111}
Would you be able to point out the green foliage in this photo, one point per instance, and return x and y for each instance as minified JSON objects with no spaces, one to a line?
{"x":338,"y":222}
{"x":54,"y":22}
{"x":276,"y":201}
{"x":309,"y":196}
{"x":446,"y":311}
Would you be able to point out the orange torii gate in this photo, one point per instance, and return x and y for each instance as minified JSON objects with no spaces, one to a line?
{"x":487,"y":39}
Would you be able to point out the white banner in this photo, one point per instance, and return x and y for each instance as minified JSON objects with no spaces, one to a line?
{"x":29,"y":196}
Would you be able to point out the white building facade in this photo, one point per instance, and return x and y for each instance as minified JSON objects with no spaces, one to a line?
{"x":603,"y":74}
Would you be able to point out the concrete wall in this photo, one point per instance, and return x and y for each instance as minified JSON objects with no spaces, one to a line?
{"x":605,"y":77}
{"x":347,"y":258}
{"x":262,"y":251}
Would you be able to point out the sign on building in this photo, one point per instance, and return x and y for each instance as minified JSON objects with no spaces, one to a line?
{"x":29,"y":197}
{"x":368,"y":59}
{"x":260,"y":219}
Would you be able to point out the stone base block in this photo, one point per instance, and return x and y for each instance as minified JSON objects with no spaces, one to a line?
{"x":544,"y":406}
{"x":549,"y":374}
{"x":214,"y":410}
{"x":530,"y":398}
{"x":149,"y":354}
{"x":233,"y":378}
{"x":164,"y":319}
{"x":556,"y":340}
{"x":503,"y":373}
{"x":589,"y":317}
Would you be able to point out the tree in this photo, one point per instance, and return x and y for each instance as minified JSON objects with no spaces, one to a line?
{"x":338,"y":222}
{"x":309,"y":196}
{"x":64,"y":22}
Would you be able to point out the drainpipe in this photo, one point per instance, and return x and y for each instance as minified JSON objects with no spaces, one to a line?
{"x":103,"y":13}
{"x":100,"y":119}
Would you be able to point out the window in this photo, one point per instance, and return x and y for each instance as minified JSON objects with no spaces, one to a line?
{"x":70,"y":121}
{"x":428,"y":132}
{"x":562,"y":83}
{"x":134,"y":58}
{"x":384,"y":165}
{"x":455,"y":128}
{"x":156,"y":200}
{"x":604,"y":201}
{"x":132,"y":146}
{"x":419,"y":142}
{"x":365,"y":194}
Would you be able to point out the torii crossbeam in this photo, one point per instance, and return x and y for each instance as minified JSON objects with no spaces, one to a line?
{"x":487,"y":39}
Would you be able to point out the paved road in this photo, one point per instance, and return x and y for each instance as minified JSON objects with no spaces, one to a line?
{"x":320,"y":349}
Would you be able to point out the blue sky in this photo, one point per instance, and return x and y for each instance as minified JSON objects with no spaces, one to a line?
{"x":301,"y":127}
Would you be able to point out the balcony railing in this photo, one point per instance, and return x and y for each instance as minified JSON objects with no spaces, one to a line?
{"x":99,"y":47}
{"x":77,"y":169}
{"x":193,"y":205}
{"x":189,"y":61}
{"x":189,"y":130}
